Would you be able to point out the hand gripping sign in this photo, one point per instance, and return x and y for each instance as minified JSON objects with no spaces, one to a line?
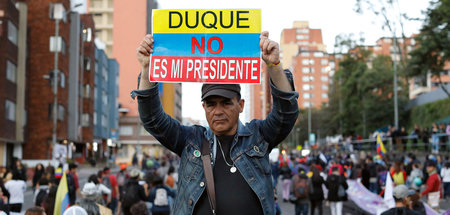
{"x":209,"y":46}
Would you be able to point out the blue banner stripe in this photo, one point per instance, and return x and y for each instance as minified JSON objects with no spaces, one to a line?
{"x":234,"y":45}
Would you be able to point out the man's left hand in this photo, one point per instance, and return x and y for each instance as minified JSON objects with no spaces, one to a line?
{"x":270,"y":50}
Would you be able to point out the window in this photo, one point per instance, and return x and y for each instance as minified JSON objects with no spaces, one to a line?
{"x":324,"y":78}
{"x":10,"y":110}
{"x":63,"y":46}
{"x":105,"y":74}
{"x":302,"y":37}
{"x":303,"y":30}
{"x":87,"y":91}
{"x":11,"y":71}
{"x":324,"y":87}
{"x":307,"y":62}
{"x":12,"y":32}
{"x":62,"y":81}
{"x":85,"y":120}
{"x":87,"y":64}
{"x":94,"y":118}
{"x":61,"y":112}
{"x":125,"y":130}
{"x":306,"y":70}
{"x":323,"y":70}
{"x":308,"y":87}
{"x":324,"y":95}
{"x":104,"y":98}
{"x":104,"y":121}
{"x":307,"y":78}
{"x":304,"y":54}
{"x":318,"y":54}
{"x":303,"y":43}
{"x":324,"y":61}
{"x":308,"y":95}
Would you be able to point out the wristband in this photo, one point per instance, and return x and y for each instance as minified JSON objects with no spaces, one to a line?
{"x":275,"y":64}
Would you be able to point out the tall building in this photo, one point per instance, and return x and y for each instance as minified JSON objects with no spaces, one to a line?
{"x":305,"y":54}
{"x":123,"y":32}
{"x":103,"y":11}
{"x":13,"y":47}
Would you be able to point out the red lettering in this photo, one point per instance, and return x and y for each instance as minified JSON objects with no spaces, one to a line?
{"x":220,"y":45}
{"x":201,"y":48}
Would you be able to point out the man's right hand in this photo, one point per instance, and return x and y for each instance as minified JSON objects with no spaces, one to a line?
{"x":144,"y":50}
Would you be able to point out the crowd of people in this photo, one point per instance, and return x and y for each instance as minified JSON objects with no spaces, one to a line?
{"x":147,"y":188}
{"x":308,"y":182}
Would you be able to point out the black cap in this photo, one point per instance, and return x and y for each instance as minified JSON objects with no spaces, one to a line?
{"x":431,"y":163}
{"x":225,"y":90}
{"x":72,"y":166}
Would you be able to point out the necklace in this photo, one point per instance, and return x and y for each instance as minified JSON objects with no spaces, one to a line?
{"x":233,"y":168}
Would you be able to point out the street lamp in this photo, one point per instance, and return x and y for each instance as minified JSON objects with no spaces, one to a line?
{"x":58,"y":14}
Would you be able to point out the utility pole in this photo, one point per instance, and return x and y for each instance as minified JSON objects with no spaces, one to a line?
{"x":55,"y":82}
{"x":395,"y":81}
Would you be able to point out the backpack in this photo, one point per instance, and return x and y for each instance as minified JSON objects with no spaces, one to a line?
{"x":107,"y":182}
{"x":121,"y":178}
{"x":161,"y":197}
{"x":301,"y":187}
{"x":71,"y":183}
{"x":129,"y":195}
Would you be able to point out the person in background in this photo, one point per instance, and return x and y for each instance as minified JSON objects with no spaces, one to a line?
{"x":402,"y":202}
{"x":170,"y":180}
{"x":132,"y":193}
{"x":337,"y":185}
{"x":416,"y":205}
{"x":433,"y":186}
{"x":139,"y":208}
{"x":102,"y":190}
{"x":88,"y":202}
{"x":159,"y":197}
{"x":5,"y":174}
{"x":300,"y":189}
{"x":20,"y":169}
{"x":398,"y":174}
{"x":35,"y":211}
{"x":38,"y":173}
{"x":72,"y":183}
{"x":415,"y":178}
{"x":107,"y":176}
{"x":122,"y":176}
{"x":316,"y":196}
{"x":445,"y":174}
{"x":16,"y":188}
{"x":41,"y":192}
{"x":286,"y":176}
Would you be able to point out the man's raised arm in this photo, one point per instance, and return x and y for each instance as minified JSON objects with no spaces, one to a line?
{"x":143,"y":52}
{"x":270,"y":53}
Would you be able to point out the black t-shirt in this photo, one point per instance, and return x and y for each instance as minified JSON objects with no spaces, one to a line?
{"x":233,"y":194}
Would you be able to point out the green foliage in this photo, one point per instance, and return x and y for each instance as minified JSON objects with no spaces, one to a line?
{"x":433,"y":48}
{"x":426,"y":114}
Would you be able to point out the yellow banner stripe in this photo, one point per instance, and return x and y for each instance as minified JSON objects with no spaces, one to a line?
{"x":207,"y":21}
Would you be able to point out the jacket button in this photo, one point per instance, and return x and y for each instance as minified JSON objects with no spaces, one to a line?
{"x":256,"y":148}
{"x":202,"y":184}
{"x":190,"y":202}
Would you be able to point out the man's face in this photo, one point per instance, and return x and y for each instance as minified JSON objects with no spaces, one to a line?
{"x":223,"y":114}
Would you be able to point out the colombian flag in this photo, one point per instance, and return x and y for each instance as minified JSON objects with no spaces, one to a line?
{"x":380,"y":147}
{"x":62,"y":196}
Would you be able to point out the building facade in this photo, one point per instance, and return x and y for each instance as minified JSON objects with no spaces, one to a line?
{"x":13,"y":31}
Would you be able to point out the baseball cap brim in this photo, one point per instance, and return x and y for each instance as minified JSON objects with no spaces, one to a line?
{"x":220,"y":92}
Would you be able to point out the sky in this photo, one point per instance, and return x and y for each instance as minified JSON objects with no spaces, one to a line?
{"x":334,"y":17}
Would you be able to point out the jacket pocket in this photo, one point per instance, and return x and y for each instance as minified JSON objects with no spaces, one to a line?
{"x":259,"y":157}
{"x":192,"y":165}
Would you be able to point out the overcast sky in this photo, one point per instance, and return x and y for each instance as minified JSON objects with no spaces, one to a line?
{"x":334,"y":17}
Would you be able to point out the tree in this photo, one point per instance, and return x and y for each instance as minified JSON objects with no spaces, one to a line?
{"x":433,"y":43}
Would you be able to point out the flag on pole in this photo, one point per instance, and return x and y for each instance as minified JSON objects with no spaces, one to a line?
{"x":380,"y":147}
{"x":62,"y":196}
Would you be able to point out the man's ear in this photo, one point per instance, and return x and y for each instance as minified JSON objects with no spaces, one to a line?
{"x":241,"y":105}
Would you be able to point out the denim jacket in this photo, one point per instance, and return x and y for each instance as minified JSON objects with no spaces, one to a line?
{"x":249,"y":151}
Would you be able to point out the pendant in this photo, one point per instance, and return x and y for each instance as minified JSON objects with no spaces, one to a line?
{"x":233,"y":169}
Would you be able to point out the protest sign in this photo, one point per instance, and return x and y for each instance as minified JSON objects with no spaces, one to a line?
{"x":210,"y":46}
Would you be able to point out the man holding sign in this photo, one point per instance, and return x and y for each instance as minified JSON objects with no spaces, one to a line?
{"x":239,"y":153}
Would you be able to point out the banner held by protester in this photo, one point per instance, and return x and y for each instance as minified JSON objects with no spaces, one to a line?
{"x":209,"y":46}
